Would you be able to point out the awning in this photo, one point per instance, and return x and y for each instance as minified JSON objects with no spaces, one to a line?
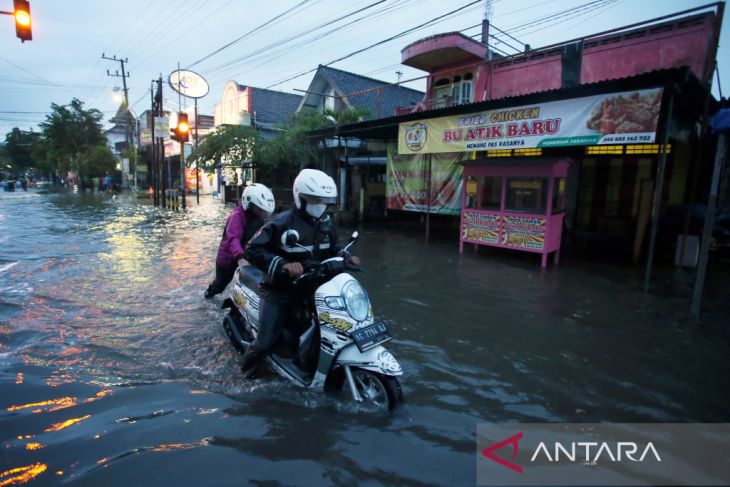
{"x":366,"y":161}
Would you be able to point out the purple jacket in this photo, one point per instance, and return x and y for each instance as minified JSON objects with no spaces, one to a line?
{"x":231,"y":247}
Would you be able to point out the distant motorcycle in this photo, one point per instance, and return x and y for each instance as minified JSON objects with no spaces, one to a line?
{"x":332,"y":341}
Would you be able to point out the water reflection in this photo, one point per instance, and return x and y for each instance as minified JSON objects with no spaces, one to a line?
{"x":21,"y":475}
{"x":60,"y":403}
{"x":66,"y":424}
{"x":108,"y":305}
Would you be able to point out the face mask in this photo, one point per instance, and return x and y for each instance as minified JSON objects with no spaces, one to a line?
{"x":316,"y":211}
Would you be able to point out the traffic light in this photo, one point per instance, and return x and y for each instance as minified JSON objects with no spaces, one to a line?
{"x":181,"y":133}
{"x":22,"y":20}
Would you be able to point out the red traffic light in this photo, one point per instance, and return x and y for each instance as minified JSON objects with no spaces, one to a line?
{"x":181,"y":132}
{"x":22,"y":20}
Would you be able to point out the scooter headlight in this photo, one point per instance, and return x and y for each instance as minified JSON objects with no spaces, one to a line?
{"x":356,"y":300}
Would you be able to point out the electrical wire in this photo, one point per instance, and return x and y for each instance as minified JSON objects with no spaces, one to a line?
{"x":389,"y":39}
{"x":250,"y":32}
{"x":294,"y":36}
{"x":388,"y":10}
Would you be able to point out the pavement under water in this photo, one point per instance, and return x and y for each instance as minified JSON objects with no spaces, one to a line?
{"x":114,"y":369}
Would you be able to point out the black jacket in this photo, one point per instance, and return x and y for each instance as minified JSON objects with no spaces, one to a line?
{"x":268,"y":250}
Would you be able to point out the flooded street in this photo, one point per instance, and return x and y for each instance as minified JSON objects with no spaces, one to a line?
{"x":115,"y":370}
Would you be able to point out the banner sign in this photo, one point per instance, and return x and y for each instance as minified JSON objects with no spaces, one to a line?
{"x":190,"y":178}
{"x":480,"y":227}
{"x":145,"y":137}
{"x":162,"y":127}
{"x":628,"y":117}
{"x":527,"y":232}
{"x":408,"y":183}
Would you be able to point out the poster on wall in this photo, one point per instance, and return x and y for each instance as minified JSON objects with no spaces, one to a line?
{"x":523,"y":231}
{"x":407,"y":182}
{"x":190,"y":178}
{"x":480,"y":227}
{"x":629,"y":117}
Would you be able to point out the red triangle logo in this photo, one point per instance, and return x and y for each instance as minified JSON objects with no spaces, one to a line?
{"x":512,"y":440}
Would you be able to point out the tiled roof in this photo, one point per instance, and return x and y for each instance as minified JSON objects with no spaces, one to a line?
{"x":273,"y":107}
{"x":382,"y":105}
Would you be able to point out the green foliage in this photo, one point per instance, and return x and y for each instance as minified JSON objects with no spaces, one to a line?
{"x":229,"y":144}
{"x":97,"y":161}
{"x":69,"y":134}
{"x":18,"y":145}
{"x":293,"y":147}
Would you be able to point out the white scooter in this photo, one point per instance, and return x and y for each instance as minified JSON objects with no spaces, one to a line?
{"x":331,"y":341}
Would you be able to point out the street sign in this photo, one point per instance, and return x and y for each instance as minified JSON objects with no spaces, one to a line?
{"x":162,"y":127}
{"x":188,"y":83}
{"x":145,"y":136}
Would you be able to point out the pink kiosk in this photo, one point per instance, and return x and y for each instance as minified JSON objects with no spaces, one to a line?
{"x":514,"y":205}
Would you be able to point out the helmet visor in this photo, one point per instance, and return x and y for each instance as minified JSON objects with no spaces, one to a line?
{"x":319,"y":200}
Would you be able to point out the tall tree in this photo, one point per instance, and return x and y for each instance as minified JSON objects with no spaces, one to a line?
{"x":69,"y":133}
{"x":18,"y":145}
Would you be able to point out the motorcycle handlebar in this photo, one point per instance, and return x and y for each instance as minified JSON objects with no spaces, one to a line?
{"x":314,"y":269}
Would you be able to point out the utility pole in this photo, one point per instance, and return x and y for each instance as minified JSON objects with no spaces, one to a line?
{"x":124,"y":76}
{"x":152,"y":169}
{"x":161,"y":145}
{"x":197,"y":164}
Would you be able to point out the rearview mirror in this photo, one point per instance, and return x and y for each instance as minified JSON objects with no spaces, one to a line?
{"x":290,"y":238}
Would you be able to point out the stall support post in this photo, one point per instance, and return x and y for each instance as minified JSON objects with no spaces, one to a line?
{"x":548,"y":215}
{"x":658,"y":192}
{"x":694,"y":311}
{"x":463,"y":206}
{"x":428,"y":201}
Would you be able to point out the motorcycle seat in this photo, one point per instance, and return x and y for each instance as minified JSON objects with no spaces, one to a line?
{"x":251,"y":277}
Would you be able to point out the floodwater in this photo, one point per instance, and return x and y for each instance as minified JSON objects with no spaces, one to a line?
{"x":115,"y":370}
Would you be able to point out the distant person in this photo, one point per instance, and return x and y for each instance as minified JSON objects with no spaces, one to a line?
{"x":257,"y":205}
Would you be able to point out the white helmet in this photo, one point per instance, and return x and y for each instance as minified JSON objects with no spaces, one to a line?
{"x":316,"y":189}
{"x":258,"y":195}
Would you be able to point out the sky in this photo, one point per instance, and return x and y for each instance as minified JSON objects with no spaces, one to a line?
{"x":265,"y":44}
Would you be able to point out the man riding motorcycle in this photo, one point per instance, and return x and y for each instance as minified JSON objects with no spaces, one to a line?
{"x":281,"y":261}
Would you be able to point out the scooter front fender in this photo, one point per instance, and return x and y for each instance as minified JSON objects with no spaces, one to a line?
{"x":377,"y":359}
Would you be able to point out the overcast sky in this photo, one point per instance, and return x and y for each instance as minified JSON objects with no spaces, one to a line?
{"x":64,"y":59}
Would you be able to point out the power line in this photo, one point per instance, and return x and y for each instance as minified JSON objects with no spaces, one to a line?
{"x":308,"y":42}
{"x":185,"y":32}
{"x":294,"y":36}
{"x":255,"y":29}
{"x":389,"y":39}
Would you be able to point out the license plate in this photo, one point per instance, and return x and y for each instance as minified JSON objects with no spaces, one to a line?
{"x":371,"y":336}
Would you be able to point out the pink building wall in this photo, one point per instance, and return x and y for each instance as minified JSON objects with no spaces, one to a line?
{"x":686,"y":41}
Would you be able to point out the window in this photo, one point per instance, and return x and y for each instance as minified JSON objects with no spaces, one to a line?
{"x":466,"y":89}
{"x":484,"y":193}
{"x":528,"y":195}
{"x":441,"y":93}
{"x":456,"y":90}
{"x":329,"y":100}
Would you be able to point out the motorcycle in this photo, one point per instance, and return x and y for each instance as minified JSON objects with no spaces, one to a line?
{"x":333,"y":338}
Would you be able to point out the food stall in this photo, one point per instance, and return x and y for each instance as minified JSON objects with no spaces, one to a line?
{"x":514,"y":205}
